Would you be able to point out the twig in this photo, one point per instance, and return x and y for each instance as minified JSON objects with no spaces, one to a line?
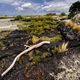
{"x":26,"y":46}
{"x":23,"y":52}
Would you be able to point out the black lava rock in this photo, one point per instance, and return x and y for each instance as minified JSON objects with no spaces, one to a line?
{"x":68,"y":34}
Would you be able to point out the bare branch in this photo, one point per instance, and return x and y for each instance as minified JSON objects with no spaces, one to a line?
{"x":23,"y":52}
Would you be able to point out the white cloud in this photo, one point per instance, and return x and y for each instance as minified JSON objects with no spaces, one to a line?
{"x":19,"y":9}
{"x":17,"y":3}
{"x":55,"y":6}
{"x":29,"y":6}
{"x":26,"y":5}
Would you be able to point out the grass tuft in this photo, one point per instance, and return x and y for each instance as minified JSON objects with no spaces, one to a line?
{"x":62,"y":48}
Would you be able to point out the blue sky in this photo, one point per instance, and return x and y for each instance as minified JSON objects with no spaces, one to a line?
{"x":34,"y":7}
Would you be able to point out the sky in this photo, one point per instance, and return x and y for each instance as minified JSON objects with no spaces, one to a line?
{"x":34,"y":7}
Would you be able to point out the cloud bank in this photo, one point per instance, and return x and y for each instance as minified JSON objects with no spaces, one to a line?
{"x":34,"y":7}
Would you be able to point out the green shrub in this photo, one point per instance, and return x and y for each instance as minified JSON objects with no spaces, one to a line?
{"x":53,"y":39}
{"x":18,"y":17}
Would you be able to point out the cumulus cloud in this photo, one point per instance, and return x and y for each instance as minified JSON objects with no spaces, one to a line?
{"x":19,"y":9}
{"x":26,"y":5}
{"x":29,"y":6}
{"x":17,"y":3}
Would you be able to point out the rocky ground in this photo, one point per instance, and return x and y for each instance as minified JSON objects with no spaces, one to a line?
{"x":57,"y":66}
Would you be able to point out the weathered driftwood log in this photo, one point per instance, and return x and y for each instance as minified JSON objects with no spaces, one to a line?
{"x":23,"y":52}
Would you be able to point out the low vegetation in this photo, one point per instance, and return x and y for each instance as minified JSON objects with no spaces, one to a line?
{"x":52,"y":39}
{"x":3,"y":34}
{"x":38,"y":25}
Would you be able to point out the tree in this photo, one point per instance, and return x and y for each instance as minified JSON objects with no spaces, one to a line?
{"x":62,"y":14}
{"x":74,"y":9}
{"x":19,"y":17}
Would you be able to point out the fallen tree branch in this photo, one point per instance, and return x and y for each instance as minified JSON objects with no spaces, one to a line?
{"x":23,"y":52}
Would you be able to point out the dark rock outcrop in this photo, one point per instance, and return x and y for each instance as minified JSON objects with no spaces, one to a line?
{"x":14,"y":43}
{"x":68,"y":34}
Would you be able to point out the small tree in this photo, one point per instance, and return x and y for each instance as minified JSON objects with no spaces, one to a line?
{"x":19,"y":17}
{"x":74,"y":9}
{"x":62,"y":14}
